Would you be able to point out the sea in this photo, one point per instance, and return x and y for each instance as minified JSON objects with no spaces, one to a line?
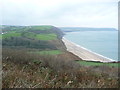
{"x":103,"y":42}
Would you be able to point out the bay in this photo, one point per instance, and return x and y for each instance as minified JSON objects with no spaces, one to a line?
{"x":102,"y":42}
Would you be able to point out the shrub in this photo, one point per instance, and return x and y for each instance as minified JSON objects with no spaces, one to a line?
{"x":59,"y":64}
{"x":17,"y":56}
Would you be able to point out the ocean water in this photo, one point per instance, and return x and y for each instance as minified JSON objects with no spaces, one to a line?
{"x":102,"y":42}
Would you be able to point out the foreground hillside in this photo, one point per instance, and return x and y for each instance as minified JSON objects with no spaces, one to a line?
{"x":36,"y":57}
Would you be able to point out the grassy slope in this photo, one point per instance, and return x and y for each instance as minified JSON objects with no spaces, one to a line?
{"x":49,"y":52}
{"x":33,"y":36}
{"x":51,"y":36}
{"x":11,"y":34}
{"x":16,"y":33}
{"x":46,"y":37}
{"x":88,"y":63}
{"x":44,"y":27}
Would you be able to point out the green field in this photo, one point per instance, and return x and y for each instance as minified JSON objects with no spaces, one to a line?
{"x":46,"y":36}
{"x":88,"y":63}
{"x":43,"y":27}
{"x":49,"y":52}
{"x":11,"y":34}
{"x":31,"y":35}
{"x":24,"y":32}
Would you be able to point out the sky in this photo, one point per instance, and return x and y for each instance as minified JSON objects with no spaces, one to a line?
{"x":60,"y":13}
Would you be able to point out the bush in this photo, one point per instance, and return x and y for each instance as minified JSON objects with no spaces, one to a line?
{"x":58,"y":63}
{"x":17,"y":56}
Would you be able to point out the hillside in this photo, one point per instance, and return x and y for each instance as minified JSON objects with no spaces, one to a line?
{"x":39,"y":37}
{"x":36,"y":57}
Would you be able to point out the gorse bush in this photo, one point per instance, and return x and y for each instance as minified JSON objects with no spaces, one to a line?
{"x":25,"y":70}
{"x":55,"y":62}
{"x":60,"y":64}
{"x":17,"y":56}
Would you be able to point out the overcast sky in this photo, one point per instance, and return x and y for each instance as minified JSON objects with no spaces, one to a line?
{"x":60,"y":13}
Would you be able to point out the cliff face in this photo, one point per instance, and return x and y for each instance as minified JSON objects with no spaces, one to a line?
{"x":57,"y":31}
{"x":39,"y":37}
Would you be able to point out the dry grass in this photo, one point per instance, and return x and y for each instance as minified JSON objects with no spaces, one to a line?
{"x":33,"y":71}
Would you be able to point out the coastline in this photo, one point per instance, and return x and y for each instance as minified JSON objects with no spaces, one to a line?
{"x":84,"y":53}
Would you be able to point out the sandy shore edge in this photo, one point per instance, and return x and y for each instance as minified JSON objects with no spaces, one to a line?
{"x":84,"y":53}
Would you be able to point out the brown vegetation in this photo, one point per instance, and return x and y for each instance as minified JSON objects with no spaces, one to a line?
{"x":23,"y":70}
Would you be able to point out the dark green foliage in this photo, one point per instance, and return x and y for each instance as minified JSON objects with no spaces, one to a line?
{"x":31,"y":37}
{"x":12,"y":28}
{"x":48,"y":31}
{"x":27,"y":43}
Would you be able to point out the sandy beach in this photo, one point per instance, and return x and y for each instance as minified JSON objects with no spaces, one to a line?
{"x":84,"y":53}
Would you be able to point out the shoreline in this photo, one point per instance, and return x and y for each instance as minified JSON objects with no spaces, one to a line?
{"x":84,"y":53}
